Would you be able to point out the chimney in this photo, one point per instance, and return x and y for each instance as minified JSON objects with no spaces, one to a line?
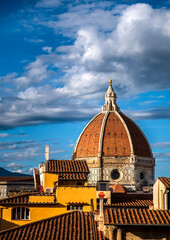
{"x":46,"y":153}
{"x":101,"y":219}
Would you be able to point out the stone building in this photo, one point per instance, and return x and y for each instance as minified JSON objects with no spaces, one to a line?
{"x":115,"y":148}
{"x":12,"y":185}
{"x":161,"y":193}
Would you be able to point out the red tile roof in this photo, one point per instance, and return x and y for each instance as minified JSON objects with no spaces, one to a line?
{"x":23,"y":198}
{"x":118,"y":188}
{"x":131,"y":200}
{"x":78,"y":203}
{"x":68,"y":169}
{"x":115,"y":139}
{"x":73,"y":176}
{"x":16,"y":179}
{"x":141,"y":146}
{"x":136,"y":216}
{"x":165,"y":181}
{"x":71,"y":226}
{"x":88,"y":144}
{"x":67,"y":166}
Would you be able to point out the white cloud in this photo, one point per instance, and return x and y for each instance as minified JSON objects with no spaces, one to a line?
{"x":67,"y":84}
{"x":47,"y":49}
{"x":34,"y":40}
{"x":14,"y":166}
{"x":2,"y":135}
{"x":154,"y":113}
{"x":161,"y":145}
{"x":49,"y":3}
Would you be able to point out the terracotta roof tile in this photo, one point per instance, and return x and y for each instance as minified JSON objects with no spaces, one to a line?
{"x":140,"y":145}
{"x":71,"y":226}
{"x":22,"y":198}
{"x":73,"y":176}
{"x":77,"y":203}
{"x":131,"y":200}
{"x":165,"y":181}
{"x":118,"y":188}
{"x":68,"y":169}
{"x":16,"y":179}
{"x":88,"y":143}
{"x":136,"y":216}
{"x":115,"y":140}
{"x":67,"y":166}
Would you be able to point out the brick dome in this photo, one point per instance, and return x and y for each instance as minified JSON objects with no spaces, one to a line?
{"x":111,"y":133}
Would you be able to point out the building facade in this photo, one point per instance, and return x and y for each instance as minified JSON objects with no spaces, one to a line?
{"x":12,"y":185}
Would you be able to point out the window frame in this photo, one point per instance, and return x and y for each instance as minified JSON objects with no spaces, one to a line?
{"x":74,"y":207}
{"x":20,"y":211}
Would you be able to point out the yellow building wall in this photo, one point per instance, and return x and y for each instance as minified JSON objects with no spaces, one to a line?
{"x":63,"y":196}
{"x":36,"y":213}
{"x":49,"y":180}
{"x":77,"y":194}
{"x":41,"y":199}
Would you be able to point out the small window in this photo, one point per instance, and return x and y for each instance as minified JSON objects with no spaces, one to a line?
{"x":68,"y":207}
{"x":103,"y":187}
{"x":20,"y":213}
{"x":74,"y":207}
{"x":79,"y":183}
{"x":142,"y":175}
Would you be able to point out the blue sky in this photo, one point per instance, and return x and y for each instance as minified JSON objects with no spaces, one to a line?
{"x":56,"y":58}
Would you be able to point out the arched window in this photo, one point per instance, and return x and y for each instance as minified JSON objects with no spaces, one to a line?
{"x":20,"y":213}
{"x":142,"y":175}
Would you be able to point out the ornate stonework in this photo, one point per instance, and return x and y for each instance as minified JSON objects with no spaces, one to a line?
{"x":115,"y":148}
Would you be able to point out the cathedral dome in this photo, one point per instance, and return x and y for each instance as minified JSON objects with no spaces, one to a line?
{"x":111,"y":134}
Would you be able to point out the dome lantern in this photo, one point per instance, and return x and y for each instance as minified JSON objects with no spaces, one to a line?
{"x":110,"y":99}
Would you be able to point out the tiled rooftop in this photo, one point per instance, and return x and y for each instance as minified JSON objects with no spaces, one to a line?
{"x":68,"y":169}
{"x":22,"y":198}
{"x":78,"y":203}
{"x":67,"y":166}
{"x":73,"y":176}
{"x":16,"y":179}
{"x":140,"y":145}
{"x":131,"y":200}
{"x":89,"y":141}
{"x":118,"y":188}
{"x":71,"y":226}
{"x":136,"y":216}
{"x":165,"y":181}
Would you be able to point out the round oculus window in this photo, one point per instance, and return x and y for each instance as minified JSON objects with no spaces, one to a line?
{"x":115,"y":174}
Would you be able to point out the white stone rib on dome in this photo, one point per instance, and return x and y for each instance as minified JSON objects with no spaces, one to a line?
{"x":77,"y":142}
